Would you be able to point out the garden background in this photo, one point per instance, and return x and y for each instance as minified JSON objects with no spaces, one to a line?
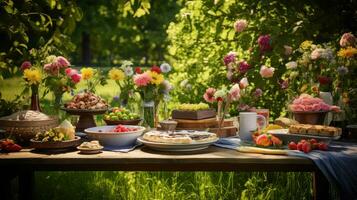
{"x":193,"y":37}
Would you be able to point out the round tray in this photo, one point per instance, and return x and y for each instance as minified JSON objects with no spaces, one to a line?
{"x":84,"y":111}
{"x":56,"y":145}
{"x":124,"y":122}
{"x":176,"y":147}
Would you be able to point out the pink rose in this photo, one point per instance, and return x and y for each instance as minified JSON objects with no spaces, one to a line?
{"x":258,"y":92}
{"x":243,"y":83}
{"x":26,"y":65}
{"x":229,"y":75}
{"x":70,"y":72}
{"x":335,"y":109}
{"x":229,"y":58}
{"x":266,"y":72}
{"x":63,"y":62}
{"x":316,"y":54}
{"x":209,"y":95}
{"x":348,"y":39}
{"x":316,"y":107}
{"x":234,"y":92}
{"x":240,"y":25}
{"x":76,"y":78}
{"x":264,"y":42}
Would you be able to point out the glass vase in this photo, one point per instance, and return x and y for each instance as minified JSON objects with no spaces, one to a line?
{"x":35,"y":100}
{"x":149,"y":113}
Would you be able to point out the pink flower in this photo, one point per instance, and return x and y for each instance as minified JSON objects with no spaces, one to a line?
{"x":234,"y":92}
{"x":288,"y":50}
{"x":284,"y":84}
{"x":76,"y":78}
{"x":26,"y":65}
{"x":52,"y":68}
{"x":348,"y":39}
{"x":335,"y":109}
{"x":229,"y":58}
{"x":70,"y":72}
{"x":209,"y":95}
{"x":264,"y":42}
{"x":316,"y":54}
{"x":240,"y":25}
{"x":243,"y":67}
{"x":258,"y":92}
{"x":229,"y":75}
{"x":62,"y":62}
{"x":266,"y":72}
{"x":243,"y":83}
{"x":243,"y":107}
{"x":142,"y":79}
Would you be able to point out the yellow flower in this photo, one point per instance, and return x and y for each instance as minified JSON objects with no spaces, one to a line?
{"x":349,"y":52}
{"x":303,"y":88}
{"x":87,"y":73}
{"x":156,"y":78}
{"x":306,"y":44}
{"x":33,"y":76}
{"x":116,"y":74}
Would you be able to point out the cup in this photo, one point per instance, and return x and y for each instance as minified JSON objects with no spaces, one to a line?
{"x":248,"y":123}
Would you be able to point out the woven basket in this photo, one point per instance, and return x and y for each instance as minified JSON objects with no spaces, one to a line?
{"x":24,"y":130}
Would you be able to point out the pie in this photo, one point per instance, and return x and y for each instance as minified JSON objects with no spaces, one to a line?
{"x":182,"y":137}
{"x":317,"y":130}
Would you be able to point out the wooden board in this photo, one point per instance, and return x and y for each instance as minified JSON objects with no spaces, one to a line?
{"x":195,"y":115}
{"x":202,"y":124}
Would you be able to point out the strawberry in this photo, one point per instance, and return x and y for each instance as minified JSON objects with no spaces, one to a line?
{"x":14,"y":148}
{"x":313,"y":141}
{"x":306,"y":147}
{"x":292,"y":146}
{"x":299,"y":146}
{"x":302,"y":141}
{"x":323,"y":146}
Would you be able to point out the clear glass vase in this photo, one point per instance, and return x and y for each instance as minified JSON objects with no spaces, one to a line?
{"x":35,"y":100}
{"x":149,"y":113}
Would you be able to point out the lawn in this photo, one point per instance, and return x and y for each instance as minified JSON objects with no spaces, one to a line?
{"x":162,"y":185}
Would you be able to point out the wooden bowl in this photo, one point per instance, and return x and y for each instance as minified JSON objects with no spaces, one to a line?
{"x":305,"y":117}
{"x":123,"y":122}
{"x":56,"y":145}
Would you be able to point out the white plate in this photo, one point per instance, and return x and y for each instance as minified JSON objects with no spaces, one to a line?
{"x":284,"y":135}
{"x":176,"y":147}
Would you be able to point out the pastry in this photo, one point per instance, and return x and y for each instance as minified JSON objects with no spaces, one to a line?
{"x":285,"y":122}
{"x":182,"y":137}
{"x":317,"y":130}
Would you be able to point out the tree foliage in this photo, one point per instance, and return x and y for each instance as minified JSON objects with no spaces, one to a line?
{"x":203,"y":33}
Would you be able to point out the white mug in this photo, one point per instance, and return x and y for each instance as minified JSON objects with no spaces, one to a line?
{"x":248,"y":123}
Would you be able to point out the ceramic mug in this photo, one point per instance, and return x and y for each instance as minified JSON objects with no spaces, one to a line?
{"x":248,"y":123}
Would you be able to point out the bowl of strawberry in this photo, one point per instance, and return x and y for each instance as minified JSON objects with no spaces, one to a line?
{"x":307,"y":146}
{"x":117,"y":136}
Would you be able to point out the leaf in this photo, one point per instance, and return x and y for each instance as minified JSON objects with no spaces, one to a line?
{"x":9,"y":9}
{"x":139,"y":12}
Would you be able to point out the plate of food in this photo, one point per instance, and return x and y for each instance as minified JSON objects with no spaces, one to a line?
{"x":61,"y":137}
{"x":92,"y":147}
{"x":178,"y":140}
{"x":306,"y":131}
{"x":121,"y":116}
{"x":117,"y":136}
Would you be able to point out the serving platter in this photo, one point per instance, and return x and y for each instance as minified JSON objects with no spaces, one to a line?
{"x":56,"y":145}
{"x":176,"y":147}
{"x":287,"y":137}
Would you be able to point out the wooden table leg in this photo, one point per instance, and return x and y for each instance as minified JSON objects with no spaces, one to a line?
{"x":5,"y":185}
{"x":26,"y":185}
{"x":321,"y":186}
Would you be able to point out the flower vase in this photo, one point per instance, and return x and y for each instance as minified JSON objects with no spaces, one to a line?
{"x":35,"y":100}
{"x":57,"y":101}
{"x":328,"y":99}
{"x":149,"y":113}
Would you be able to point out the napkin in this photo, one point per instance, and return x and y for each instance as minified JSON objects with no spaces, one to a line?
{"x":338,"y":164}
{"x":125,"y":149}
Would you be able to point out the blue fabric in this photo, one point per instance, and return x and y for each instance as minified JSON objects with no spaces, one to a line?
{"x":122,"y":149}
{"x":338,"y":164}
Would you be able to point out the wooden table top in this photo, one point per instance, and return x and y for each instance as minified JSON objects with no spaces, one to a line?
{"x":145,"y":159}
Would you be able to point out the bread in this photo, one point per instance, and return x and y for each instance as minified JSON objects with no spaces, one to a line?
{"x":315,"y":130}
{"x":285,"y":122}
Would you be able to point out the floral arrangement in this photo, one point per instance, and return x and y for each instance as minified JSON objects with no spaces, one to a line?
{"x":307,"y":103}
{"x":153,"y":88}
{"x":60,"y":78}
{"x":123,"y":78}
{"x":92,"y":78}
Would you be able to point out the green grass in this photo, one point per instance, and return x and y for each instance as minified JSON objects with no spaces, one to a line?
{"x":161,"y":185}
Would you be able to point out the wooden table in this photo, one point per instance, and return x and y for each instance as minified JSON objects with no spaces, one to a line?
{"x":24,"y":163}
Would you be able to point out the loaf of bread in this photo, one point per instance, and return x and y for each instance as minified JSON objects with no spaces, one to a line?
{"x":317,"y":130}
{"x":285,"y":122}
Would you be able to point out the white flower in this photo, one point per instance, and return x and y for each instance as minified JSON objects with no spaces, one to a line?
{"x":184,"y":83}
{"x":291,"y":65}
{"x":126,"y":63}
{"x":128,"y":71}
{"x":243,"y":83}
{"x":165,"y":67}
{"x":220,"y":94}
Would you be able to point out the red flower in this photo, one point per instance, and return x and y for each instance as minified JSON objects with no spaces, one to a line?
{"x":156,"y":69}
{"x":243,"y":67}
{"x":138,"y":70}
{"x":324,"y":80}
{"x":26,"y":65}
{"x":264,"y":42}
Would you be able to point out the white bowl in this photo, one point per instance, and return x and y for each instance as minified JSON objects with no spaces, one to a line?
{"x":107,"y":137}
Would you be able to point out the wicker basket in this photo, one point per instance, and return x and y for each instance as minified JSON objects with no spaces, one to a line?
{"x":24,"y":130}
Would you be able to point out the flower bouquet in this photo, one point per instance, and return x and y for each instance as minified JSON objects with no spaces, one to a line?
{"x":153,"y":88}
{"x":33,"y":78}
